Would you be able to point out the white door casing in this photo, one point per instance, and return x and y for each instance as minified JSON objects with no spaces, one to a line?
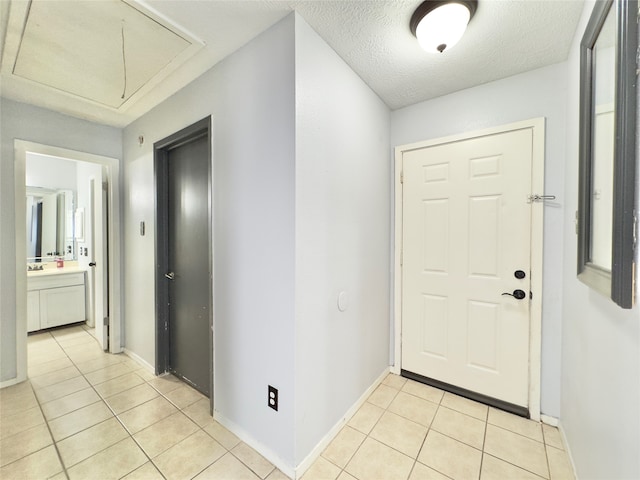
{"x":463,"y":227}
{"x":112,"y":165}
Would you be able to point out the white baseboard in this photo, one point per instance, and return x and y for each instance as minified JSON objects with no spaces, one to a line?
{"x":567,"y":450}
{"x":253,"y":443}
{"x":147,"y":366}
{"x":546,"y":419}
{"x":326,"y":440}
{"x":297,"y":472}
{"x":10,"y":382}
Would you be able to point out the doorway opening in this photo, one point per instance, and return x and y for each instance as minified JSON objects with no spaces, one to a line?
{"x":99,"y":235}
{"x":184,"y":275}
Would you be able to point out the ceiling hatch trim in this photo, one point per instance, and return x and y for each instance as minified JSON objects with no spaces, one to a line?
{"x":110,"y":53}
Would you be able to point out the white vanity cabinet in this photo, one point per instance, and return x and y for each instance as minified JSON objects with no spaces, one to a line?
{"x":33,"y":310}
{"x":55,"y":299}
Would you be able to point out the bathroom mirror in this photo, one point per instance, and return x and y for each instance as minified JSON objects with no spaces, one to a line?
{"x":50,"y":224}
{"x":606,"y":207}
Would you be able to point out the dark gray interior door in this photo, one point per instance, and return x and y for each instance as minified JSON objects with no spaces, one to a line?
{"x":188,"y":262}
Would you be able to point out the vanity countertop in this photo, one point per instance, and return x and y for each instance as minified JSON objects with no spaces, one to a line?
{"x":54,"y":271}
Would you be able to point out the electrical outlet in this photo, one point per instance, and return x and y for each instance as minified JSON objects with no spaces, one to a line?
{"x":273,"y":398}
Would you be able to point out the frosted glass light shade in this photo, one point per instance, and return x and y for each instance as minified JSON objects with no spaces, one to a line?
{"x":443,"y":27}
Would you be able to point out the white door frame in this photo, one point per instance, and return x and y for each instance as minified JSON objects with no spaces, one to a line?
{"x":21,"y":148}
{"x":537,"y":126}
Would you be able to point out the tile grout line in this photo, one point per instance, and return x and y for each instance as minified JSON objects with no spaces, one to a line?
{"x":424,"y":440}
{"x":516,"y":433}
{"x":428,"y":430}
{"x":102,"y":399}
{"x":201,"y":428}
{"x":515,"y":465}
{"x":179,"y":410}
{"x":484,"y":442}
{"x":130,"y":436}
{"x":386,"y":409}
{"x":46,"y":421}
{"x":367,"y":435}
{"x":485,"y":420}
{"x":53,"y":440}
{"x":546,"y":454}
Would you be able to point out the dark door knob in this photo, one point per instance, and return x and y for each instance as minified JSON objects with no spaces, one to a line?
{"x":92,"y":264}
{"x":519,"y":274}
{"x":519,"y":294}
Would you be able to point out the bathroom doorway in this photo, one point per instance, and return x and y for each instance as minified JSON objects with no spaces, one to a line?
{"x":96,"y":232}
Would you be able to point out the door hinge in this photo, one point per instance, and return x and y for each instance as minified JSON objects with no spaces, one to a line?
{"x":635,"y":230}
{"x":105,"y":321}
{"x":401,"y":257}
{"x":577,"y":222}
{"x":401,"y":177}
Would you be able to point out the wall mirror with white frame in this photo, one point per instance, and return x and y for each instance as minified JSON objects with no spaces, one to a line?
{"x":51,"y":188}
{"x":50,"y":224}
{"x":607,"y":199}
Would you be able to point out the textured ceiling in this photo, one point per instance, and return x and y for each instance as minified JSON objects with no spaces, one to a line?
{"x":505,"y":37}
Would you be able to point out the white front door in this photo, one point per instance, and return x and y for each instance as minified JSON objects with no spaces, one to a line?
{"x":466,"y":232}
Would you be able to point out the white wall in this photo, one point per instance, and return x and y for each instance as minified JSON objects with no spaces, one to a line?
{"x":50,"y":172}
{"x":250,"y":96}
{"x":26,"y":122}
{"x":539,"y":93}
{"x":600,"y":342}
{"x":342,"y":237}
{"x":301,"y":173}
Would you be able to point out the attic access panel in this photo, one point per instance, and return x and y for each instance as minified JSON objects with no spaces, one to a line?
{"x":104,"y":51}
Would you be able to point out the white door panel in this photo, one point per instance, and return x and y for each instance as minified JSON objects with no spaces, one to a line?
{"x":466,"y":230}
{"x":99,"y":204}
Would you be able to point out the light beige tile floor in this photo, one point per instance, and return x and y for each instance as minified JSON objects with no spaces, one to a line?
{"x":407,"y":430}
{"x":85,"y":414}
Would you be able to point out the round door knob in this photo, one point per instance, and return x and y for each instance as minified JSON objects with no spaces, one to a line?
{"x":518,"y":294}
{"x":519,"y":274}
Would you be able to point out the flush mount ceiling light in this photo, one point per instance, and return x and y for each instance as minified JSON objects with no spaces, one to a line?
{"x":439,"y":24}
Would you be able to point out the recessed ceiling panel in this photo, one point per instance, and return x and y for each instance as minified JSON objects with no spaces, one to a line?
{"x":104,"y":51}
